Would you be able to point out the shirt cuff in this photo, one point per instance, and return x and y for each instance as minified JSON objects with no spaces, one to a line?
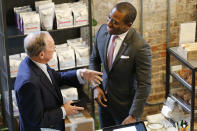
{"x":81,"y":80}
{"x":65,"y":100}
{"x":63,"y":112}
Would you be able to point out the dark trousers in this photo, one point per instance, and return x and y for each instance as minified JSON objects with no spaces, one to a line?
{"x":106,"y":116}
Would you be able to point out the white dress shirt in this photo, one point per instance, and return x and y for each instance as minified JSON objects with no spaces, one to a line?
{"x":118,"y":43}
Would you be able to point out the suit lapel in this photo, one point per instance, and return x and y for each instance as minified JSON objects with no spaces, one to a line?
{"x":43,"y":78}
{"x":120,"y":52}
{"x":105,"y":51}
{"x":55,"y":86}
{"x":48,"y":85}
{"x":124,"y":45}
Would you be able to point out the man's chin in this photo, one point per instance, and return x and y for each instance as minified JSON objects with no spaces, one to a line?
{"x":110,"y":31}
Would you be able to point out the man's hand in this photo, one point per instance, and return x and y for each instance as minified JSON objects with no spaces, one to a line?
{"x":98,"y":93}
{"x":129,"y":119}
{"x":71,"y":110}
{"x":92,"y":76}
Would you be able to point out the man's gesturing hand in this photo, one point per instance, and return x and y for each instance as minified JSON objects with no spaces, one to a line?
{"x":92,"y":76}
{"x":98,"y":93}
{"x":71,"y":110}
{"x":129,"y":119}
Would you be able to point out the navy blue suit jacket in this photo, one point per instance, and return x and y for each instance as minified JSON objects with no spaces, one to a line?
{"x":39,"y":101}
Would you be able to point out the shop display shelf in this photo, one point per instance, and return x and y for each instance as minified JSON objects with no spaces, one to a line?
{"x":182,"y":103}
{"x":181,"y":80}
{"x":11,"y":40}
{"x":13,"y":32}
{"x":192,"y":66}
{"x":77,"y":67}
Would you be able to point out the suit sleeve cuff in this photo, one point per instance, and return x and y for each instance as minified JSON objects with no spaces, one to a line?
{"x":63,"y":112}
{"x":81,"y":80}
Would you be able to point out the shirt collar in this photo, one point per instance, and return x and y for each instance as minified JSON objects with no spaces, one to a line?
{"x":123,"y":35}
{"x":40,"y":65}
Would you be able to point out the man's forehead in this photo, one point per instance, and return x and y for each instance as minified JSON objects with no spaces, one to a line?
{"x":112,"y":11}
{"x":49,"y":40}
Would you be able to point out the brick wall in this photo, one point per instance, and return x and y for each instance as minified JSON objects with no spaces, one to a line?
{"x":155,"y":33}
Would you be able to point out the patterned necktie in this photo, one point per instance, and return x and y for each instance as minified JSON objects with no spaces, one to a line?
{"x":50,"y":74}
{"x":111,"y":52}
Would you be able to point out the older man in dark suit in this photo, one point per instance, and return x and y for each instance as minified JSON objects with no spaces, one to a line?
{"x":125,"y":59}
{"x":37,"y":90}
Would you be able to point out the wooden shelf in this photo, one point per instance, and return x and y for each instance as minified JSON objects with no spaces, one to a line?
{"x":13,"y":32}
{"x":77,"y":67}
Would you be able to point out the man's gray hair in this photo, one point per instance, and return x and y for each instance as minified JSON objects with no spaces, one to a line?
{"x":34,"y":43}
{"x":129,"y":9}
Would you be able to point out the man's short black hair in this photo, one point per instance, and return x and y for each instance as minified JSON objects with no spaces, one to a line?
{"x":129,"y":9}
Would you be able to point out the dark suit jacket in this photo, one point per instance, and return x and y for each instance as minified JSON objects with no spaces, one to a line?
{"x":39,"y":101}
{"x":129,"y":80}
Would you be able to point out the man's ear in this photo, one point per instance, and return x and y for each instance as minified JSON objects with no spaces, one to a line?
{"x":129,"y":24}
{"x":41,"y":55}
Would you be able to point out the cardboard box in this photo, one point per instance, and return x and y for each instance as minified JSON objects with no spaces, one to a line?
{"x":187,"y":32}
{"x":188,"y":51}
{"x":187,"y":46}
{"x":79,"y":122}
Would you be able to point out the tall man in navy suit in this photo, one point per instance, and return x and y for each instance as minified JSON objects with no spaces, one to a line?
{"x":37,"y":90}
{"x":125,"y":58}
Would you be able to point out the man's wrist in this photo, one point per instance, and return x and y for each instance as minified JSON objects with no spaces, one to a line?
{"x":63,"y":112}
{"x":133,"y":116}
{"x":80,"y":76}
{"x":82,"y":71}
{"x":94,"y":87}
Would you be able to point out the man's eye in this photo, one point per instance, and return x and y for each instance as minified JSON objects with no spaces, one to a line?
{"x":108,"y":18}
{"x":114,"y":22}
